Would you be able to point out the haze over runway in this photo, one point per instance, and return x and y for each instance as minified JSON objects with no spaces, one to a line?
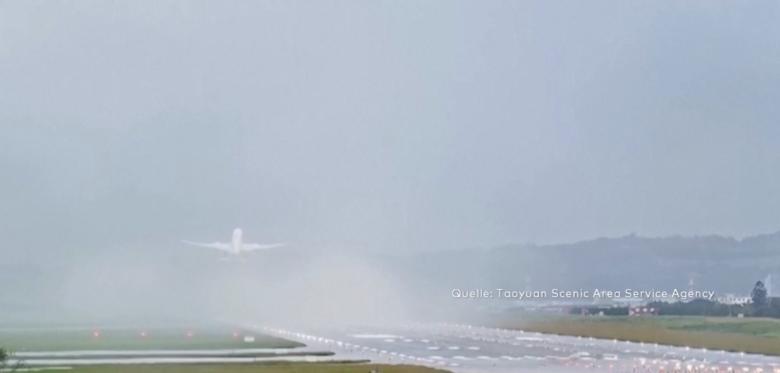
{"x":407,"y":148}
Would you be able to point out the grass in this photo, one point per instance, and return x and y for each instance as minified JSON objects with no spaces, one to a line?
{"x":256,"y":368}
{"x":718,"y":333}
{"x":21,"y":340}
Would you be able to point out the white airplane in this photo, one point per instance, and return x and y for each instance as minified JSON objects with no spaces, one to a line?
{"x":236,"y":246}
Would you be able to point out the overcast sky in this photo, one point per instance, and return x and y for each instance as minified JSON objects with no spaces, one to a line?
{"x":400,"y":125}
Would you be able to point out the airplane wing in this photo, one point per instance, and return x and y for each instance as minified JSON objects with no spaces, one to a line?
{"x":258,"y":246}
{"x":215,"y":245}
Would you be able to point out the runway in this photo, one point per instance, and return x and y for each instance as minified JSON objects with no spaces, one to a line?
{"x":465,"y":348}
{"x":99,"y":357}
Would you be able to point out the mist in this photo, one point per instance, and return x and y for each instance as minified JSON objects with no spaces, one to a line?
{"x":293,"y":287}
{"x":365,"y":135}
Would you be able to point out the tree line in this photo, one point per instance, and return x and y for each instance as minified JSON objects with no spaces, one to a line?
{"x":761,"y":305}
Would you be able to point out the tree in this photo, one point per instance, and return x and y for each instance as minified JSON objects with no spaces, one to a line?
{"x":759,"y":294}
{"x":5,"y":363}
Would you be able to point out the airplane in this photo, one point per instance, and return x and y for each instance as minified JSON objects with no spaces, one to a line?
{"x":236,"y":246}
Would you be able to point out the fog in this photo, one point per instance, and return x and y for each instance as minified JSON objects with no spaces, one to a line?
{"x":360,"y":132}
{"x":287,"y":288}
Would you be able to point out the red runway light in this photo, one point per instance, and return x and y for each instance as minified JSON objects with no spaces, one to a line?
{"x":96,"y":333}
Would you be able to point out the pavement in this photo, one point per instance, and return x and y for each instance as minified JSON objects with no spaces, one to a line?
{"x":100,"y":357}
{"x":467,"y":348}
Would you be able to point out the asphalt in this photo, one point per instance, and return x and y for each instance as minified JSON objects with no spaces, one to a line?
{"x":465,"y":348}
{"x":68,"y":358}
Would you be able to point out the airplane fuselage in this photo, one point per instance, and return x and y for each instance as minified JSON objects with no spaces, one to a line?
{"x":236,"y":242}
{"x":236,"y":246}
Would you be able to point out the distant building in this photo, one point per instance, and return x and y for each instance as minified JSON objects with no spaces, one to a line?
{"x":733,"y":299}
{"x":643,"y":311}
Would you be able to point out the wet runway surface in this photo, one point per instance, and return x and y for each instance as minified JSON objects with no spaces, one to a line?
{"x":463,"y":348}
{"x":65,"y":358}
